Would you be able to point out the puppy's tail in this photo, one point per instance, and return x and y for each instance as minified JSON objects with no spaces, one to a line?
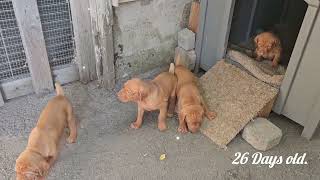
{"x":59,"y":89}
{"x":171,"y":69}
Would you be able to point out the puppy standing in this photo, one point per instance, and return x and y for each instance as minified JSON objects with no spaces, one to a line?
{"x":191,"y":107}
{"x":42,"y":149}
{"x":151,"y":95}
{"x":268,"y":46}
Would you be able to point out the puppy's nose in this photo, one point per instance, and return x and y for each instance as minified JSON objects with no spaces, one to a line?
{"x":120,"y":93}
{"x":194,"y":130}
{"x":121,"y":96}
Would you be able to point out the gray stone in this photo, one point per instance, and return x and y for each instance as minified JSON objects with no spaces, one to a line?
{"x":191,"y":55}
{"x":186,"y":39}
{"x":1,"y":100}
{"x":183,"y":56}
{"x":145,"y":34}
{"x":262,"y":134}
{"x":188,"y":58}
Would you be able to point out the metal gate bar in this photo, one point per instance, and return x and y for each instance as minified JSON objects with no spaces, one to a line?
{"x":13,"y":63}
{"x":57,"y":29}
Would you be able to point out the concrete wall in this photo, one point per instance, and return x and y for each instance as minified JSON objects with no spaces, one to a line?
{"x":145,"y":34}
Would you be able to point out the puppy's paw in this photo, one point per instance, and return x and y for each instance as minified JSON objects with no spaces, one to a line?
{"x":135,"y":125}
{"x":211,"y":115}
{"x":41,"y":177}
{"x":162,"y":126}
{"x":182,"y":129}
{"x":71,"y":140}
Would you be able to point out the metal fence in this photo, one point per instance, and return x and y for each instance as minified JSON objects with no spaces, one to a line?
{"x":12,"y":56}
{"x":55,"y":16}
{"x":56,"y":22}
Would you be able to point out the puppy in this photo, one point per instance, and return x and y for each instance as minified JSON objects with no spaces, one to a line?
{"x":151,"y":95}
{"x":42,"y":149}
{"x":268,"y":46}
{"x":191,"y":107}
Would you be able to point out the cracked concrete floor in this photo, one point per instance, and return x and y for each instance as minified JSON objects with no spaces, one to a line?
{"x":107,"y":149}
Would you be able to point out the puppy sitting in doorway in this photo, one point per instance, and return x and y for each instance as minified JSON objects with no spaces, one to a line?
{"x":151,"y":95}
{"x":42,"y":149}
{"x":191,"y":106}
{"x":268,"y":46}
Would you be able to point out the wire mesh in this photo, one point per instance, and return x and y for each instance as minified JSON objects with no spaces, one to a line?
{"x":57,"y":29}
{"x":13,"y":63}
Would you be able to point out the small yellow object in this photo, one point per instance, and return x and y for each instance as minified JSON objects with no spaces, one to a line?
{"x":162,"y":157}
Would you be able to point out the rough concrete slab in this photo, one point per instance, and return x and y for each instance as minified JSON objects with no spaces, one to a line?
{"x":236,"y":96}
{"x":261,"y":70}
{"x":262,"y":134}
{"x":186,"y":39}
{"x":107,"y":149}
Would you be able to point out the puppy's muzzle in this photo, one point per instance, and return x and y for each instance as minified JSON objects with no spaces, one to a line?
{"x":193,"y":130}
{"x":122,"y":96}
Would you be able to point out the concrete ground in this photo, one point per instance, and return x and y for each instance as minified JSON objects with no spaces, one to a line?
{"x":107,"y":148}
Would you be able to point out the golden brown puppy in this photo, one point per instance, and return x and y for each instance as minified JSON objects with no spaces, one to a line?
{"x":151,"y":95}
{"x":42,"y":149}
{"x":191,"y":107}
{"x":268,"y":46}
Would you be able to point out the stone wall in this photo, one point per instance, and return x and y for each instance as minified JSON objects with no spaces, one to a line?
{"x":145,"y":34}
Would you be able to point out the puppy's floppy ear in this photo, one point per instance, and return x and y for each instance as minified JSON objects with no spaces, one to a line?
{"x":43,"y":168}
{"x":142,"y":93}
{"x":24,"y":169}
{"x":275,"y":42}
{"x":256,"y":39}
{"x":21,"y":167}
{"x":139,"y":95}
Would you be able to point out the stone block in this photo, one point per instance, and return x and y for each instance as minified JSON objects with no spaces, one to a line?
{"x":186,"y":39}
{"x":262,"y":134}
{"x":187,"y":58}
{"x":191,"y":56}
